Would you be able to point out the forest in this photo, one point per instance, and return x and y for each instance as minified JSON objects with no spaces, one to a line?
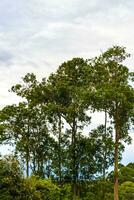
{"x":57,"y":156}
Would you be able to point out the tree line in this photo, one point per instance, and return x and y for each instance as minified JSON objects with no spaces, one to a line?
{"x":48,"y":128}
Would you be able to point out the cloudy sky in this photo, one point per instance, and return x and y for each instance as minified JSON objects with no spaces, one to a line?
{"x":38,"y":35}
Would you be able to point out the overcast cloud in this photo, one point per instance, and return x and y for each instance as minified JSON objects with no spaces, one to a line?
{"x":38,"y":35}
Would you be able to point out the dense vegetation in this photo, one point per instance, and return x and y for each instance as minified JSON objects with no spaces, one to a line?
{"x":57,"y":155}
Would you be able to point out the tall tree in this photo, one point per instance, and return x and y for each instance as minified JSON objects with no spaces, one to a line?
{"x":70,"y":79}
{"x":29,"y":125}
{"x":115,"y":93}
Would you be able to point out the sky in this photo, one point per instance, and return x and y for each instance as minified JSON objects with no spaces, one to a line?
{"x":38,"y":35}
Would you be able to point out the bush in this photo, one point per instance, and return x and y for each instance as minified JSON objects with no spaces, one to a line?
{"x":126,"y":191}
{"x":10,"y":178}
{"x":13,"y":186}
{"x":66,"y":192}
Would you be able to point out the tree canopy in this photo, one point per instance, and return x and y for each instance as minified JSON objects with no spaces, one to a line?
{"x":51,"y":130}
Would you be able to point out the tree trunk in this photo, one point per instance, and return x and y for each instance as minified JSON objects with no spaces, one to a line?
{"x":105,"y":149}
{"x":27,"y":163}
{"x":59,"y":154}
{"x":27,"y":148}
{"x":74,"y":168}
{"x":38,"y":164}
{"x":104,"y":158}
{"x":34,"y":162}
{"x":116,"y":195}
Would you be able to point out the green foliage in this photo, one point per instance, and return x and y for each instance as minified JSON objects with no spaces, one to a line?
{"x":48,"y":131}
{"x":28,"y":189}
{"x":126,"y":173}
{"x":66,"y":192}
{"x":34,"y":188}
{"x":126,"y":191}
{"x":10,"y":178}
{"x":14,"y":186}
{"x":102,"y":140}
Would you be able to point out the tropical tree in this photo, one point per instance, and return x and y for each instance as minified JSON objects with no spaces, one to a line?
{"x":69,"y":82}
{"x":114,"y":93}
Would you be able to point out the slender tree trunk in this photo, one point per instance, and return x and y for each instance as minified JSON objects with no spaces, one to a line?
{"x":74,"y":168}
{"x":59,"y":154}
{"x":48,"y":169}
{"x":38,"y":165}
{"x":27,"y":150}
{"x":42,"y":168}
{"x":105,"y":153}
{"x":105,"y":149}
{"x":34,"y":162}
{"x":117,"y":133}
{"x":27,"y":146}
{"x":27,"y":163}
